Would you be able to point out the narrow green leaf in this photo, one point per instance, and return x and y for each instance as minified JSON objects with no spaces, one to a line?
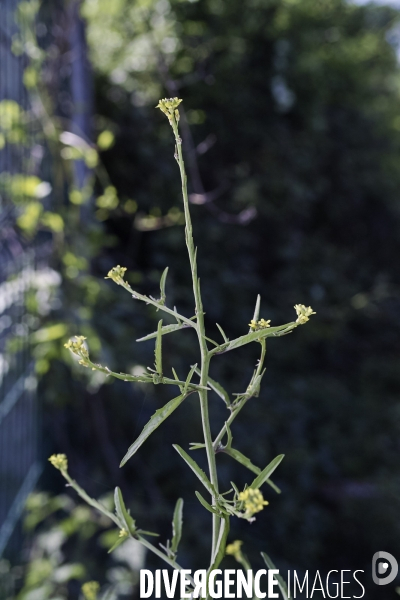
{"x":265,"y":473}
{"x":235,"y":488}
{"x":158,"y":349}
{"x":226,"y":339}
{"x":196,"y":446}
{"x":221,"y":543}
{"x":243,"y":460}
{"x":189,"y":378}
{"x":196,"y":470}
{"x":217,"y":388}
{"x":162,"y":285}
{"x":280,"y":580}
{"x":144,"y":532}
{"x":256,"y":335}
{"x":177,"y":525}
{"x":229,"y":435}
{"x":206,"y":505}
{"x":164,"y":330}
{"x":256,"y":315}
{"x":118,"y":542}
{"x":274,"y":486}
{"x":122,"y":513}
{"x":254,"y":388}
{"x":159,"y":416}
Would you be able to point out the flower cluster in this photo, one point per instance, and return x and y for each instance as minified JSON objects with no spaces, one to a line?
{"x":303,"y":313}
{"x":169,"y":106}
{"x":59,"y":461}
{"x":253,"y":501}
{"x":77,"y":346}
{"x":90,"y":589}
{"x":117,"y":274}
{"x":234,"y":550}
{"x":261,"y":324}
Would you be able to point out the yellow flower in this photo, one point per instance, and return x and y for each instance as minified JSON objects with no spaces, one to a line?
{"x":303,"y":313}
{"x":59,"y":461}
{"x":123,"y":533}
{"x":116,"y":274}
{"x":169,"y":106}
{"x":235,"y":550}
{"x":90,"y":589}
{"x":77,"y":346}
{"x":261,"y":324}
{"x":253,"y":501}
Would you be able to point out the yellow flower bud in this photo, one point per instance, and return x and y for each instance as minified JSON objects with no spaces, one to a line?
{"x":253,"y":501}
{"x":234,"y":550}
{"x":59,"y":461}
{"x":90,"y":590}
{"x":303,"y":313}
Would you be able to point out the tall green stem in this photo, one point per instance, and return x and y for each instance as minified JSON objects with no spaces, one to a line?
{"x":204,"y":352}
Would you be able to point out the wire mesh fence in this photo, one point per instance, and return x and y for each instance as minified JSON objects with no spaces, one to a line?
{"x":22,"y":265}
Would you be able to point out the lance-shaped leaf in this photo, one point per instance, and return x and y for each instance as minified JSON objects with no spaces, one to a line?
{"x":177,"y":525}
{"x":221,"y":543}
{"x":246,"y":462}
{"x":226,"y":339}
{"x":196,"y":470}
{"x":162,"y":285}
{"x":158,"y":349}
{"x":281,"y":582}
{"x":189,"y":378}
{"x":267,"y":472}
{"x":144,"y":532}
{"x":257,"y":335}
{"x":196,"y":445}
{"x":117,"y":543}
{"x":242,"y":459}
{"x":159,"y":416}
{"x":217,"y":388}
{"x":254,"y":387}
{"x":123,"y":515}
{"x":206,"y":505}
{"x":164,"y":330}
{"x":257,"y":310}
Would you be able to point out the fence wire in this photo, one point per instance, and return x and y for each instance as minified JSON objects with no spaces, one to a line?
{"x":22,"y":266}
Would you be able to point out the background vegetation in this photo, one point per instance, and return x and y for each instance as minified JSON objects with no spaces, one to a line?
{"x":293,"y":147}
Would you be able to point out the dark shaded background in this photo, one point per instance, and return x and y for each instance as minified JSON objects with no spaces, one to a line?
{"x":293,"y":153}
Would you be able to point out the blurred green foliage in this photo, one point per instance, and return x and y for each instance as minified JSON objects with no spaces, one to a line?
{"x":294,"y":154}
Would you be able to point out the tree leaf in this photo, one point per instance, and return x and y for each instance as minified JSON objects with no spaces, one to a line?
{"x":155,"y":421}
{"x":256,"y":335}
{"x":158,"y":349}
{"x":265,"y":473}
{"x":162,"y":285}
{"x":122,"y":513}
{"x":280,"y":580}
{"x":164,"y":330}
{"x":177,"y":525}
{"x":206,"y":505}
{"x":196,"y":470}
